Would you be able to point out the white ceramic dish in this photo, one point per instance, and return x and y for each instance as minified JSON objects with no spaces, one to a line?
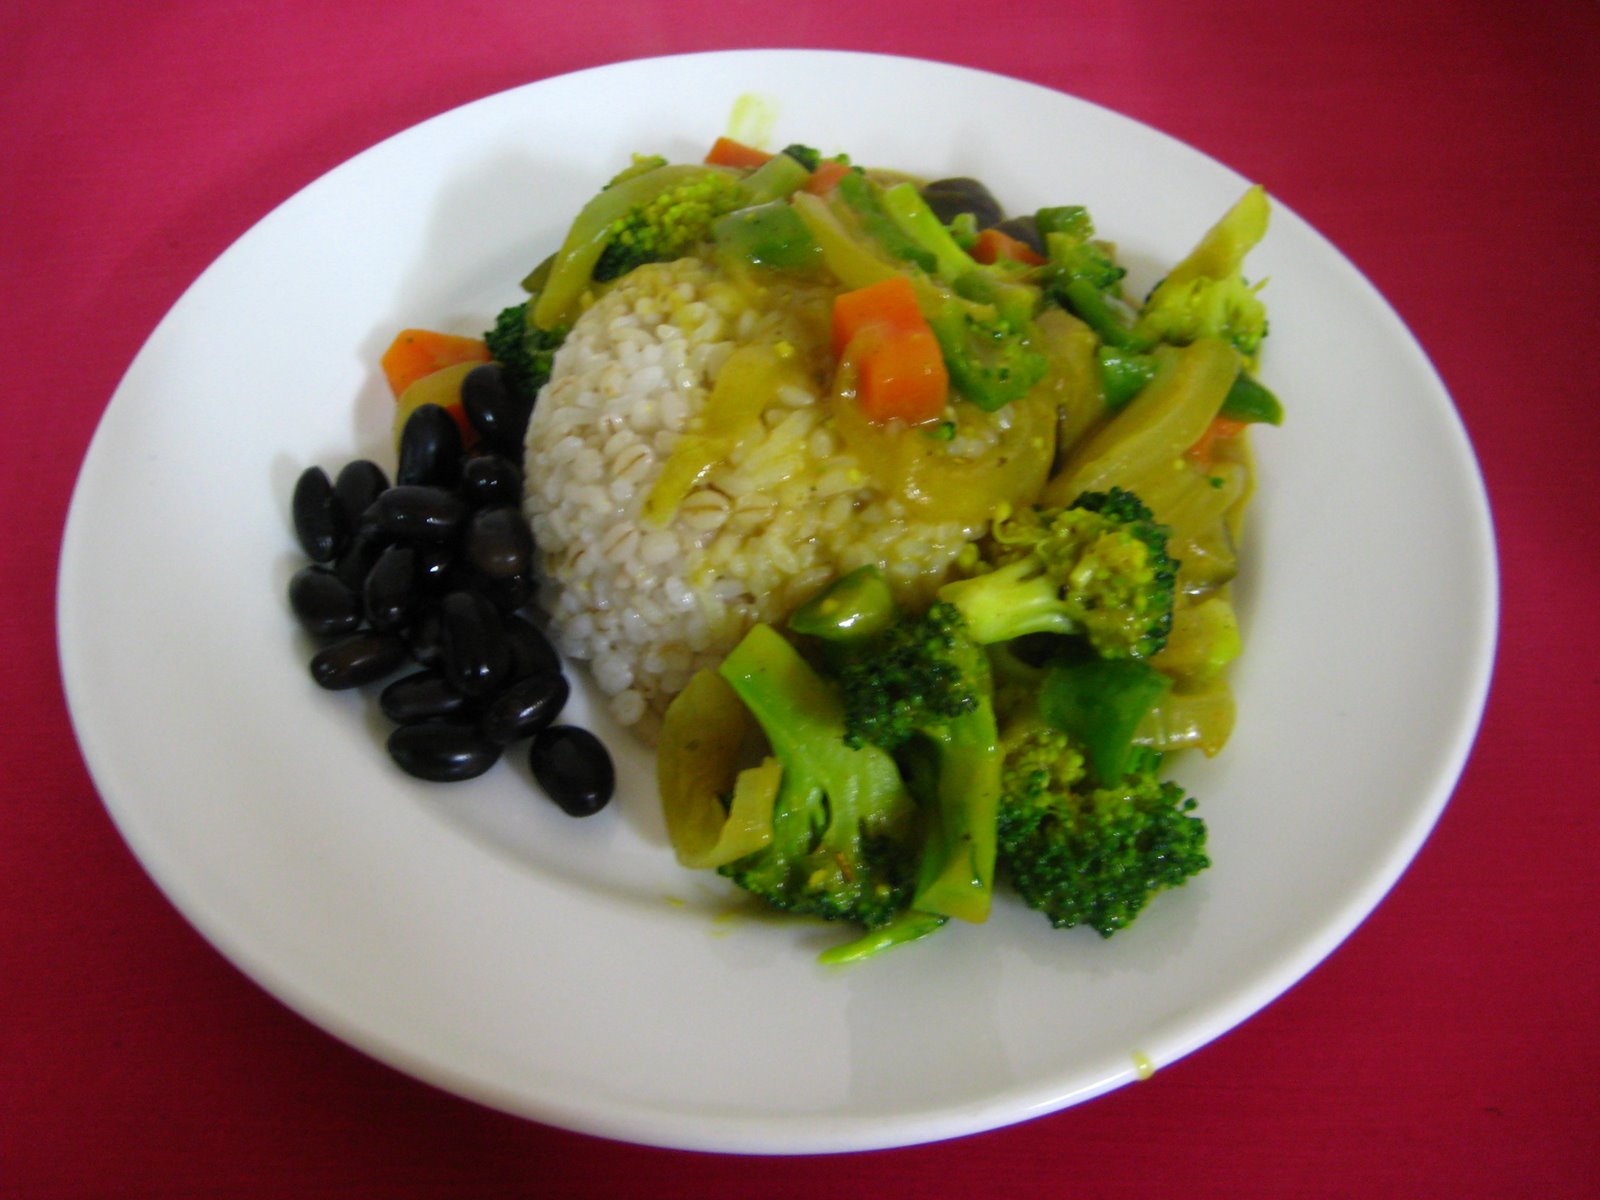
{"x":569,"y":970}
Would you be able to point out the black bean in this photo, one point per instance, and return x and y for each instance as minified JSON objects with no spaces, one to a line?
{"x":322,"y":602}
{"x":525,"y":707}
{"x":475,"y":654}
{"x":359,"y":659}
{"x":573,"y":768}
{"x":430,"y":448}
{"x":425,"y":637}
{"x":434,"y":560}
{"x":317,"y":526}
{"x":498,"y":542}
{"x":421,"y":696}
{"x":507,"y":595}
{"x":359,"y":557}
{"x":531,"y":651}
{"x":950,"y":197}
{"x":491,"y":408}
{"x":357,"y":485}
{"x":442,"y":751}
{"x":389,"y":596}
{"x":489,"y":479}
{"x":417,"y":511}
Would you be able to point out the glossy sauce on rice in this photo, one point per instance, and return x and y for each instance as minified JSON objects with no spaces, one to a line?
{"x":648,"y":602}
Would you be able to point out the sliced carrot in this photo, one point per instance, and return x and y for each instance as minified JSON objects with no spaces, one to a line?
{"x":1220,"y":428}
{"x":415,"y":353}
{"x":825,"y":178}
{"x":725,"y":152}
{"x":993,"y":245}
{"x":881,"y":336}
{"x":901,"y":376}
{"x":890,"y":302}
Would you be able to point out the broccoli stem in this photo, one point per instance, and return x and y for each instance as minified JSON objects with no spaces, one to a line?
{"x":952,"y":766}
{"x":1097,"y":311}
{"x":1009,"y":602}
{"x":803,"y":718}
{"x":907,"y":927}
{"x":861,"y":197}
{"x":911,"y":213}
{"x":959,"y":875}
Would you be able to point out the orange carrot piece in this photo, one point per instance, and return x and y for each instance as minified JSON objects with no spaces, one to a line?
{"x":415,"y":353}
{"x":1221,"y":427}
{"x":901,"y":377}
{"x":825,"y":178}
{"x":891,"y":303}
{"x":993,"y":245}
{"x":725,"y":152}
{"x":899,"y":371}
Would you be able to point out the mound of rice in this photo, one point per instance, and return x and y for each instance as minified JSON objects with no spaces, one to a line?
{"x":762,"y":531}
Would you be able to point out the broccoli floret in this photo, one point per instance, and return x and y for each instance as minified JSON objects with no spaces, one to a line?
{"x":845,"y":834}
{"x":1039,"y":760}
{"x":1206,"y":294}
{"x":990,"y":356}
{"x":1091,"y":259}
{"x":1083,"y":277}
{"x":524,"y":351}
{"x":985,"y":329}
{"x":922,"y":688}
{"x":660,"y":212}
{"x":1098,"y":568}
{"x":642,"y":164}
{"x":806,"y":156}
{"x":913,"y":675}
{"x":668,"y":225}
{"x":964,"y":230}
{"x":1086,"y":855}
{"x":1221,"y":308}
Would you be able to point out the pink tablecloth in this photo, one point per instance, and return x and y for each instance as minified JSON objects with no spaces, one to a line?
{"x":1447,"y":1049}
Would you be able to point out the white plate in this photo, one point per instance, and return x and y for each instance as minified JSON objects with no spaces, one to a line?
{"x":569,"y":970}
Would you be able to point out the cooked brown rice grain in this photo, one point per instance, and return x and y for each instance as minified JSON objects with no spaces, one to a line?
{"x":646,"y":607}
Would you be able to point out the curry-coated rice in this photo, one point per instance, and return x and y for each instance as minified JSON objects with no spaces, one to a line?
{"x":758,"y":533}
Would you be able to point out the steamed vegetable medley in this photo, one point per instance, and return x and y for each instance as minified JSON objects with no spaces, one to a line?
{"x":901,"y":530}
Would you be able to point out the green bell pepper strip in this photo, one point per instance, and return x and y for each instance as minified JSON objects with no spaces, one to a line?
{"x":1124,"y":374}
{"x":1248,"y":400}
{"x":911,"y":213}
{"x":852,"y":608}
{"x":767,"y":235}
{"x":780,"y":176}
